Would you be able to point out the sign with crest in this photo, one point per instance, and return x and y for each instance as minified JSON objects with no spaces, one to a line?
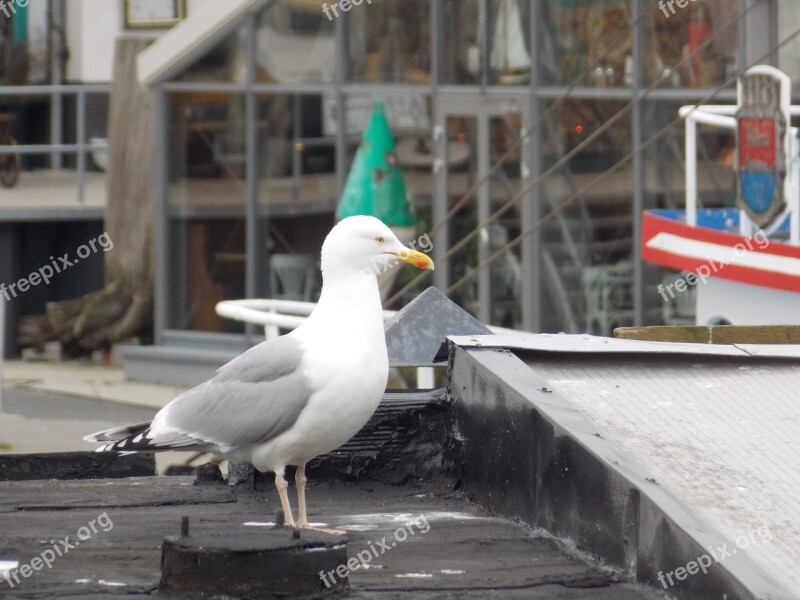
{"x":762,"y":122}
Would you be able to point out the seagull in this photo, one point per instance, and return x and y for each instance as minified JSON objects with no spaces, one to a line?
{"x":290,"y":399}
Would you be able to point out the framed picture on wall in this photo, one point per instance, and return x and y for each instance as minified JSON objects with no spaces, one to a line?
{"x":150,"y":14}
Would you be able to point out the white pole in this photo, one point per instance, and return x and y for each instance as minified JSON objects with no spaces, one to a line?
{"x":426,"y":379}
{"x":793,"y":188}
{"x":691,"y":171}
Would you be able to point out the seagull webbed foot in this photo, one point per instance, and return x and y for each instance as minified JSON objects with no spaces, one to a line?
{"x":324,"y":530}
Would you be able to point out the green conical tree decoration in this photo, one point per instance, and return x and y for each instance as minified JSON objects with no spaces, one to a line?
{"x":375,"y":185}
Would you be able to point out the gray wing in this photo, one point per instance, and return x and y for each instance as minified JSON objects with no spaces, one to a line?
{"x":252,"y":399}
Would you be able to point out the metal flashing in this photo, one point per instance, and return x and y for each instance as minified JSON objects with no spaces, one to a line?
{"x":584,"y":343}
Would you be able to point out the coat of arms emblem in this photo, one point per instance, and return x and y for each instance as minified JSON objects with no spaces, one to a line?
{"x":761,"y":142}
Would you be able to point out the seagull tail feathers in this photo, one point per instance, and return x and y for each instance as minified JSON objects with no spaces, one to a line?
{"x":139,"y":438}
{"x":116,"y":434}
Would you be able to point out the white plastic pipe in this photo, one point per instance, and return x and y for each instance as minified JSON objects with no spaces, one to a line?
{"x":272,"y":315}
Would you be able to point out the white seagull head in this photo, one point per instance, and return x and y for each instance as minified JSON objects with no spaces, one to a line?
{"x":365,"y":244}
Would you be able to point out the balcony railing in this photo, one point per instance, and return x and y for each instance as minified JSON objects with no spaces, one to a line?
{"x":56,"y":149}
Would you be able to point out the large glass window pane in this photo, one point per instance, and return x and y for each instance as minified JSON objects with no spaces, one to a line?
{"x":665,"y":188}
{"x":390,"y":42}
{"x":490,"y":290}
{"x":509,"y":42}
{"x":674,"y":43}
{"x":462,"y":174}
{"x":505,"y":272}
{"x":587,"y":243}
{"x":576,"y":34}
{"x":296,"y":168}
{"x":665,"y":183}
{"x":409,"y":118}
{"x":295,"y":43}
{"x":461,"y":51}
{"x":224,"y":63}
{"x":789,"y":23}
{"x":508,"y":59}
{"x":205,"y":208}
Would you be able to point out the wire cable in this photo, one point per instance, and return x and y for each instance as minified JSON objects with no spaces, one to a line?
{"x":517,"y":240}
{"x":559,"y":101}
{"x":583,"y":144}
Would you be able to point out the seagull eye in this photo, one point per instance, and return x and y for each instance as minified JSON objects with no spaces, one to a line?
{"x":380,"y":240}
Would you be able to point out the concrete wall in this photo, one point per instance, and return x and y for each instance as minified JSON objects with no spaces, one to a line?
{"x":91,"y":27}
{"x":37,"y":41}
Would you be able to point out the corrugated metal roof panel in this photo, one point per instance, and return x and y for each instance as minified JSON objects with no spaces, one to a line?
{"x":721,"y":434}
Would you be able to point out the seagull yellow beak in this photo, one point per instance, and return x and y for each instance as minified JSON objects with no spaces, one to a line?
{"x":418,"y":259}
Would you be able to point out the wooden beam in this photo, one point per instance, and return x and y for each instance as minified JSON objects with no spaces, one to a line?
{"x":714,"y":334}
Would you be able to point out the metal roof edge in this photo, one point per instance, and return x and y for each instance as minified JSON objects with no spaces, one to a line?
{"x":558,"y":411}
{"x":189,"y":39}
{"x":590,"y":344}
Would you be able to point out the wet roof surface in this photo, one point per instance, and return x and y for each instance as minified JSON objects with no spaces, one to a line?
{"x":455,"y":548}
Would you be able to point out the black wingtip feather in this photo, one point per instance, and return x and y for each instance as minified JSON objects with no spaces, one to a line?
{"x":140,"y":442}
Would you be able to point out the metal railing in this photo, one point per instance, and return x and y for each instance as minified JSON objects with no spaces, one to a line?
{"x":56,"y":149}
{"x":275,"y":315}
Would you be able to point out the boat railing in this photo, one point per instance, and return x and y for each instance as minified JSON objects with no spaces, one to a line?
{"x":723,"y":116}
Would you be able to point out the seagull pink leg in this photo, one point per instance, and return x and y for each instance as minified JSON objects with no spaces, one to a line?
{"x":302,"y":521}
{"x":280,"y":483}
{"x":300,"y":481}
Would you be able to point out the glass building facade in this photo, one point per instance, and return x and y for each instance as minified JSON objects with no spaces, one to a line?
{"x":549,"y":125}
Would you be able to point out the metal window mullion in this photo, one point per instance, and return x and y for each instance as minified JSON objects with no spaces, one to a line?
{"x":341,"y":102}
{"x":530,"y":211}
{"x":437,"y":21}
{"x":484,"y":200}
{"x":637,"y":139}
{"x":485,"y":37}
{"x":441,"y":241}
{"x":80,"y":119}
{"x":251,"y":172}
{"x":741,"y":45}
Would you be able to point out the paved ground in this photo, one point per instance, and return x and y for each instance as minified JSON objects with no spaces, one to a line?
{"x":50,"y":407}
{"x":455,"y":548}
{"x":87,"y":380}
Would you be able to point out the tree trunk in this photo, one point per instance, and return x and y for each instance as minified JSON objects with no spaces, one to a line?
{"x":124,"y":307}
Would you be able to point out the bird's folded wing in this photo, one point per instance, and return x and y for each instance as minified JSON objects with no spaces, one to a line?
{"x":253,"y":399}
